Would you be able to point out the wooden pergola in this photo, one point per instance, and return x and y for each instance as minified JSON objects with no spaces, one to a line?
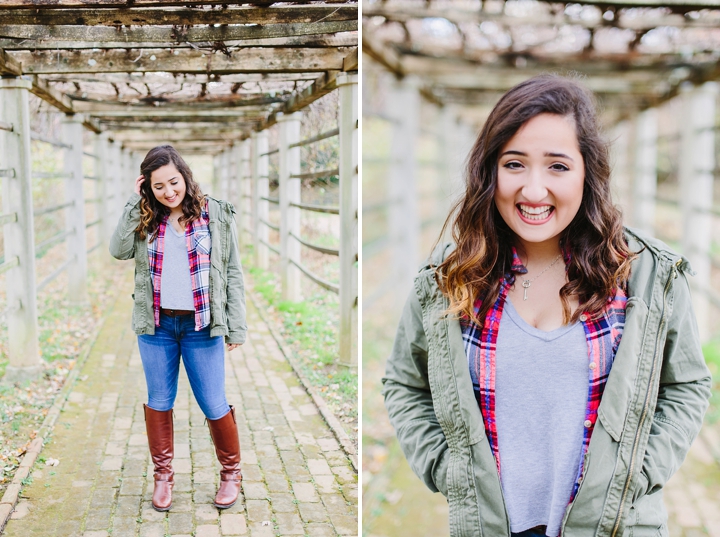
{"x":208,"y":70}
{"x":633,"y":53}
{"x":208,"y":76}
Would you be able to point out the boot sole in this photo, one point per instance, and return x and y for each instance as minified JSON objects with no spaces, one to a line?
{"x":162,"y":509}
{"x":228,"y":506}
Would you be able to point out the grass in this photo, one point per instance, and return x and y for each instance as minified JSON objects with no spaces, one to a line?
{"x":310,"y":328}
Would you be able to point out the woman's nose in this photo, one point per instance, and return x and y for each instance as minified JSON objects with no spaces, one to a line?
{"x":534,"y":189}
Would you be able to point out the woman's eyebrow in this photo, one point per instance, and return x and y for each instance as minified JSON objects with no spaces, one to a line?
{"x":547,"y":154}
{"x":559,"y":155}
{"x":514,"y":152}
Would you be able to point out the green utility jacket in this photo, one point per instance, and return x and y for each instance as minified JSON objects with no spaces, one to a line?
{"x":652,"y":408}
{"x":227,"y":290}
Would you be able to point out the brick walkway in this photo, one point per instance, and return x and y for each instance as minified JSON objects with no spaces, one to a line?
{"x":296,"y":479}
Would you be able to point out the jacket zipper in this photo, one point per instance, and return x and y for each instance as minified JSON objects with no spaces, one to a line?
{"x":647,"y":401}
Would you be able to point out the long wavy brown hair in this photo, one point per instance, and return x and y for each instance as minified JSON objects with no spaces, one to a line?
{"x":599,"y":256}
{"x":152,"y":211}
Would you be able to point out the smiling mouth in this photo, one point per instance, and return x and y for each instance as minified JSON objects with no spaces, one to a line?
{"x":171,"y":199}
{"x":535,"y":213}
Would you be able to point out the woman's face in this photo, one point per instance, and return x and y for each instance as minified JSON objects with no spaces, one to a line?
{"x":540,"y":182}
{"x":168,"y":185}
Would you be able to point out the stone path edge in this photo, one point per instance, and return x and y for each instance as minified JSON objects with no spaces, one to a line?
{"x":10,"y":498}
{"x":327,"y":414}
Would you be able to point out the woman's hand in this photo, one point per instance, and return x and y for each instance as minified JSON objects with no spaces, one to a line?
{"x":233,"y":346}
{"x":139,"y":181}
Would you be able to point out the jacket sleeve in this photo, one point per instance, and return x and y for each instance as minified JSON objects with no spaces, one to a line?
{"x":122,"y":243}
{"x":409,"y":402}
{"x":683,"y":395}
{"x":235,"y":308}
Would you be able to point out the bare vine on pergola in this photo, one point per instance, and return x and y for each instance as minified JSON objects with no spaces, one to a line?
{"x":190,"y":67}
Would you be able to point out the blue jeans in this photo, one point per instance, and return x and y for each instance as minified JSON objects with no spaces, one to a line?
{"x":203,"y":357}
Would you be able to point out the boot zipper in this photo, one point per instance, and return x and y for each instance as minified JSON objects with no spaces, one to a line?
{"x":653,"y":371}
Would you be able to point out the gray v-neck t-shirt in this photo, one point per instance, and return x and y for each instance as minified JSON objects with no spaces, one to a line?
{"x":175,"y":284}
{"x":541,"y":391}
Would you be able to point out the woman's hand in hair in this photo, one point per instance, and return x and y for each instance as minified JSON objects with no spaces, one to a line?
{"x":233,"y":346}
{"x":139,"y":181}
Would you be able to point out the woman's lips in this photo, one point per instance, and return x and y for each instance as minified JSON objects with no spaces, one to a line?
{"x":534,"y":215}
{"x":170,"y":200}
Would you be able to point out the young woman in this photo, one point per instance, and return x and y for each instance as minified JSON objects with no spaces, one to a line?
{"x":189,"y":297}
{"x":547,"y":375}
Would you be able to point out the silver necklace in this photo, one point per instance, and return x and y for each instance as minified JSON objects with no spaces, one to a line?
{"x":526,"y":283}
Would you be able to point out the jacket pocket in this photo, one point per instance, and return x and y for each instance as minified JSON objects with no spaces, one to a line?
{"x":647,"y":516}
{"x":621,"y":384}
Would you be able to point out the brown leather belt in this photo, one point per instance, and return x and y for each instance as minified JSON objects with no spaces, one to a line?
{"x":176,"y":313}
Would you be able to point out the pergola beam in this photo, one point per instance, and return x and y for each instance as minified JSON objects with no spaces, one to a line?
{"x":177,"y":78}
{"x":306,"y":41}
{"x":404,"y":13}
{"x":118,"y":127}
{"x":51,"y":96}
{"x":9,"y":65}
{"x":37,"y":36}
{"x":208,"y":135}
{"x":182,"y":16}
{"x":247,"y":60}
{"x":182,"y":116}
{"x":98,"y":107}
{"x":61,"y":4}
{"x":675,"y":5}
{"x":588,"y":64}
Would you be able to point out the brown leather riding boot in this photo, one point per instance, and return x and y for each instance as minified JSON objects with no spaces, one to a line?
{"x":159,"y":427}
{"x":224,"y":434}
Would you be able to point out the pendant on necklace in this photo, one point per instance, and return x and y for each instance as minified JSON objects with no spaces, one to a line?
{"x":525,"y":284}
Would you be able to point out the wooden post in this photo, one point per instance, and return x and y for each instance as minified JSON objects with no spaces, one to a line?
{"x":622,"y":178}
{"x":261,"y":164}
{"x":348,"y":126}
{"x":455,"y":141}
{"x":697,"y":164}
{"x":645,"y":185}
{"x":225,"y":167}
{"x":403,"y":106}
{"x":237,"y":180}
{"x":247,"y":218}
{"x":289,"y":216}
{"x":19,"y":236}
{"x":103,"y":187}
{"x":72,"y":130}
{"x":118,"y":182}
{"x":215,"y":183}
{"x":126,"y":179}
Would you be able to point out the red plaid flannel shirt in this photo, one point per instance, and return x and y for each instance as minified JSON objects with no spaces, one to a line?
{"x":602,"y":334}
{"x":197,"y":236}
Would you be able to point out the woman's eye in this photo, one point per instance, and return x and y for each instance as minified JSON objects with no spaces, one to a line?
{"x":512,"y":165}
{"x":559,"y":167}
{"x":174,"y":183}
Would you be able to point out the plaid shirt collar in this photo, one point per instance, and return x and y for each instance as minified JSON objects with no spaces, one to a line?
{"x":602,"y":334}
{"x":198,"y":240}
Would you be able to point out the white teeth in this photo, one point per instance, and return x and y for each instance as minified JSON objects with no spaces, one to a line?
{"x":535,"y":213}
